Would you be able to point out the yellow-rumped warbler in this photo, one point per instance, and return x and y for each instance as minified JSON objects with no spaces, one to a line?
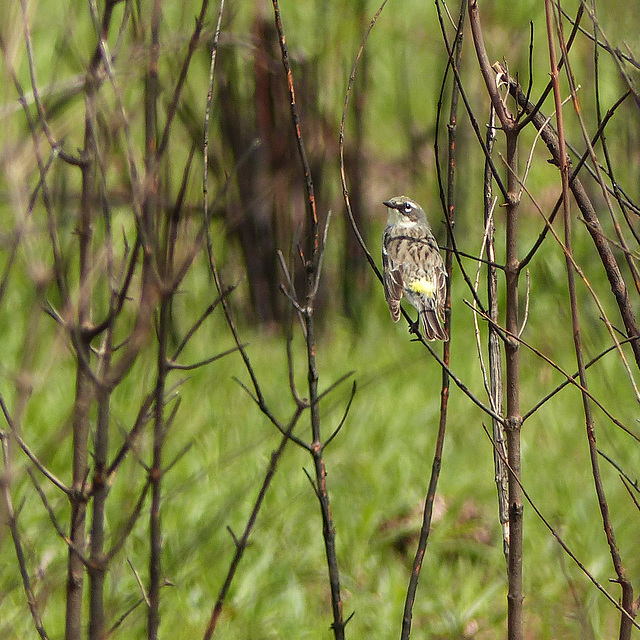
{"x":413,"y":266}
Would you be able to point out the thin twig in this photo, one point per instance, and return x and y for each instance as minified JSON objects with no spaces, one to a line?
{"x":242,"y":542}
{"x":495,"y":389}
{"x":12,"y":522}
{"x":344,"y":416}
{"x":73,"y":548}
{"x":623,"y":474}
{"x":561,"y":386}
{"x":312,"y":266}
{"x":446,"y":349}
{"x":569,"y":378}
{"x":568,"y":551}
{"x":614,"y":275}
{"x":32,"y":456}
{"x":196,"y":365}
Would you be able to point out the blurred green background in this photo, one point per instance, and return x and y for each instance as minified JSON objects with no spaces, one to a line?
{"x":379,"y":465}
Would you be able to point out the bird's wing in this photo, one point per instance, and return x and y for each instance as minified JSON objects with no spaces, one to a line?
{"x":433,"y":315}
{"x":392,"y":276}
{"x":428,"y":287}
{"x":441,"y":284}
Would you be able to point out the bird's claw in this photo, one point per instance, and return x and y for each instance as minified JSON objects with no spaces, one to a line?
{"x":414,"y":326}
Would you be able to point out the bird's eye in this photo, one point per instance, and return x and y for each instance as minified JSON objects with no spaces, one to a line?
{"x":407,"y":207}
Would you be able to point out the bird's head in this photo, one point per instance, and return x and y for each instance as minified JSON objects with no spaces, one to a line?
{"x":404,"y":211}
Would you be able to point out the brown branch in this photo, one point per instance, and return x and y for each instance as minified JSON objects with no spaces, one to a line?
{"x":272,"y":418}
{"x":625,"y":584}
{"x":496,"y":384}
{"x":12,"y":521}
{"x":73,"y":548}
{"x":98,"y":565}
{"x":504,"y":115}
{"x":568,"y":551}
{"x":290,"y":292}
{"x":141,"y":421}
{"x":587,"y":209}
{"x":626,"y":479}
{"x":472,"y":119}
{"x":150,"y":210}
{"x":549,"y":137}
{"x":453,"y":64}
{"x":445,"y":388}
{"x":295,"y":118}
{"x":43,"y":169}
{"x":616,"y":54}
{"x":32,"y":456}
{"x":176,"y":92}
{"x":562,"y":385}
{"x":354,"y":388}
{"x":55,"y":146}
{"x":312,"y":266}
{"x":510,"y":127}
{"x":242,"y":542}
{"x":128,"y":527}
{"x":198,"y":323}
{"x":201,"y":363}
{"x":570,"y":379}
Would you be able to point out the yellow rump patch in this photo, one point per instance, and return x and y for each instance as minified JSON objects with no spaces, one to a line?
{"x":423,"y":286}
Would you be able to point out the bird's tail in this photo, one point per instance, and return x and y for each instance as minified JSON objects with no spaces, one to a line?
{"x":433,"y":325}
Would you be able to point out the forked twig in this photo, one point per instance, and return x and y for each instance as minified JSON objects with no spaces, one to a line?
{"x":12,"y":521}
{"x":568,"y":551}
{"x":312,"y":263}
{"x":242,"y":542}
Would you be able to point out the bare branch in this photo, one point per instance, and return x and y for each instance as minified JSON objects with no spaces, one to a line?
{"x":12,"y":521}
{"x":570,"y":553}
{"x":242,"y":542}
{"x":196,"y":365}
{"x":73,"y":548}
{"x":32,"y":456}
{"x":344,"y":416}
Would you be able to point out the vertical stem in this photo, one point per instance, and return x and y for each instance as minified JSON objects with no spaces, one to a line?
{"x":626,"y":618}
{"x":97,"y":560}
{"x":514,"y":420}
{"x":84,"y":386}
{"x":512,"y":269}
{"x":97,"y":564}
{"x":75,"y":573}
{"x":312,"y":274}
{"x":317,"y":448}
{"x":456,"y":54}
{"x":495,"y":355}
{"x":75,"y":568}
{"x":98,"y":567}
{"x":155,"y":523}
{"x":150,"y":211}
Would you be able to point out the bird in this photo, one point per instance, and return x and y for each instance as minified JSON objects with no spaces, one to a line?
{"x":413,"y":267}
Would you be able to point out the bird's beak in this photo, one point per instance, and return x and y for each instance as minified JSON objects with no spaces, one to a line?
{"x":389,"y":204}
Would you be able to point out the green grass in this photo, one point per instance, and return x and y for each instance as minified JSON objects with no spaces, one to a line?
{"x":378,"y":470}
{"x":379,"y":464}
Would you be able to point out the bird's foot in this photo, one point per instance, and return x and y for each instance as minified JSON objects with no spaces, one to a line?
{"x":414,"y":327}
